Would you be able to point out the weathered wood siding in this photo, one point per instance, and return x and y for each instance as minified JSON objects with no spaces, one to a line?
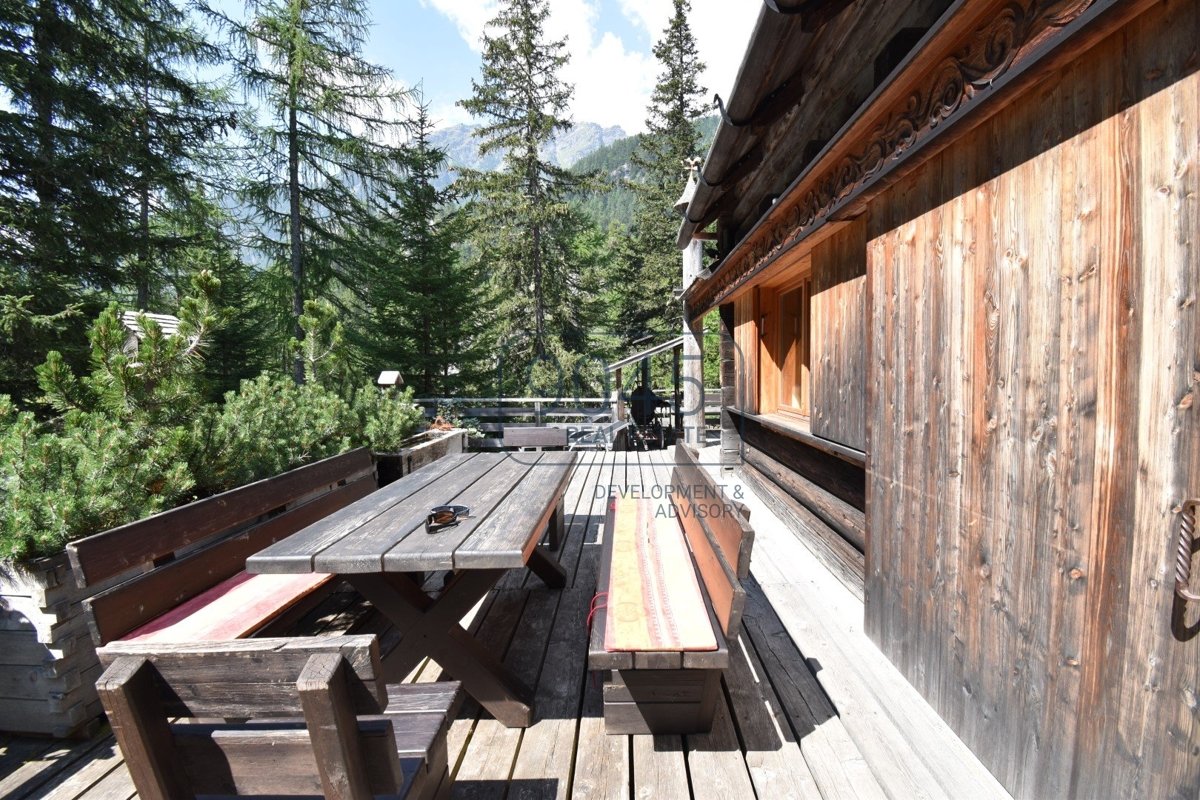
{"x":1034,"y":359}
{"x":839,"y":336}
{"x":745,"y":351}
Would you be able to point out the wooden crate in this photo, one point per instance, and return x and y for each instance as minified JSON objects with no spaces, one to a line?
{"x":48,"y":665}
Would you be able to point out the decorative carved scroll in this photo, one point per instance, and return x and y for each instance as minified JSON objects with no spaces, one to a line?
{"x":1017,"y":32}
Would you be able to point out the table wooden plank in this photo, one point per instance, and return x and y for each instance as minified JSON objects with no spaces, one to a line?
{"x":363,"y":551}
{"x":509,"y":534}
{"x":436,"y":551}
{"x":295,"y":553}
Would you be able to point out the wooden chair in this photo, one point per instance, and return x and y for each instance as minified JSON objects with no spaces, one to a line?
{"x":321,"y":720}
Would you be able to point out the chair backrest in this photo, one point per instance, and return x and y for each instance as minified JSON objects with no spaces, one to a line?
{"x":304,"y":697}
{"x":535,"y":437}
{"x":717,"y":534}
{"x":151,"y":541}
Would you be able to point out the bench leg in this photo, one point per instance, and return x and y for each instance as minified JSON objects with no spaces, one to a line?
{"x":661,"y":701}
{"x":431,"y":628}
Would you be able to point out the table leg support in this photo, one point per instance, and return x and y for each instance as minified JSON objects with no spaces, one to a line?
{"x":548,"y":569}
{"x":431,"y":628}
{"x":558,"y":526}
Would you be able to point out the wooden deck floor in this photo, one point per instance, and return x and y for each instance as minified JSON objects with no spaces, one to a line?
{"x":778,"y":734}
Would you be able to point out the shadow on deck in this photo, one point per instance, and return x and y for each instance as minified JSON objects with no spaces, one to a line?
{"x":777,"y":733}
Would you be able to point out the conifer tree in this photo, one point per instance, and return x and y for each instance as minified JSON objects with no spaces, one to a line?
{"x":422,"y":300}
{"x":177,"y":123}
{"x":326,"y":135}
{"x":72,"y":73}
{"x":523,"y":223}
{"x":650,"y":264}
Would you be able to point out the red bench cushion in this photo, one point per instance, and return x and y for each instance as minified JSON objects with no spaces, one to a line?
{"x":233,"y":609}
{"x":654,"y":601}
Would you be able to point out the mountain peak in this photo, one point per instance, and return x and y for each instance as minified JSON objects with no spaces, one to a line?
{"x":566,"y":148}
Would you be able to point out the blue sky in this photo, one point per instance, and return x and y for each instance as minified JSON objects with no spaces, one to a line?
{"x":436,"y":42}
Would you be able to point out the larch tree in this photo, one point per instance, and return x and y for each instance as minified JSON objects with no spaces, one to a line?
{"x":326,"y":135}
{"x":649,"y":270}
{"x":523,"y":223}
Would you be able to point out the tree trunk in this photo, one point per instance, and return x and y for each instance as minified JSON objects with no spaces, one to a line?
{"x":142,"y":277}
{"x":41,"y":101}
{"x":294,"y":231}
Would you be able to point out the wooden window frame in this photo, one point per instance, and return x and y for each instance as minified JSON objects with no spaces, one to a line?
{"x":773,"y":362}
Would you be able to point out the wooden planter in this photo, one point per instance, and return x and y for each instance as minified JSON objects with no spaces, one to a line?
{"x":48,"y":665}
{"x":422,"y":449}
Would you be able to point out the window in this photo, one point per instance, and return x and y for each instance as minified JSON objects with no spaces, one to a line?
{"x":795,"y":379}
{"x":785,"y":382}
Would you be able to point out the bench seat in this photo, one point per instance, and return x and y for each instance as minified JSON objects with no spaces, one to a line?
{"x":666,"y":683}
{"x":233,"y":609}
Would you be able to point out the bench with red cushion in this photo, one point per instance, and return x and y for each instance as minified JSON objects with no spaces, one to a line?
{"x":183,"y":570}
{"x":669,"y":601}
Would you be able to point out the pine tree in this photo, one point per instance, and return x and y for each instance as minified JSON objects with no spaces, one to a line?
{"x":177,"y":120}
{"x":422,"y":299}
{"x":71,"y":72}
{"x":325,"y":137}
{"x":523,"y":223}
{"x":650,"y":264}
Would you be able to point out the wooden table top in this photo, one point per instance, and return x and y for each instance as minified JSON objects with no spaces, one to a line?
{"x":511,"y":497}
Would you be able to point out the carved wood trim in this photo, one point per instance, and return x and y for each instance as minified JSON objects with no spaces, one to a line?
{"x":941,"y":86}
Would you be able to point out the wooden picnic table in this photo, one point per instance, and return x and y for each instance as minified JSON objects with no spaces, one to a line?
{"x":381,"y":546}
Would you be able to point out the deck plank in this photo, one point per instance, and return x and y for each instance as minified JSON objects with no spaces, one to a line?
{"x":602,"y":762}
{"x":659,"y":764}
{"x":717,"y":761}
{"x":546,"y":756}
{"x":777,"y":766}
{"x":41,"y":764}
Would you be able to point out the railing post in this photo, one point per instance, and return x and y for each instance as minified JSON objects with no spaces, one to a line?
{"x":693,"y":355}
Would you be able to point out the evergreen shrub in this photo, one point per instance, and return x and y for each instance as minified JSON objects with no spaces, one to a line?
{"x":135,"y":436}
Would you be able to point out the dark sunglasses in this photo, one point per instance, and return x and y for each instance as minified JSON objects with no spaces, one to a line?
{"x":444,"y":516}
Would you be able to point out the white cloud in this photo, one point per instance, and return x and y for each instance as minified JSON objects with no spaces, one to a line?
{"x":469,"y":16}
{"x":722,"y":30}
{"x":613,"y":78}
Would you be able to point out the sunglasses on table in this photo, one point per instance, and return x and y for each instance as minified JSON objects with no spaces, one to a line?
{"x":444,"y":517}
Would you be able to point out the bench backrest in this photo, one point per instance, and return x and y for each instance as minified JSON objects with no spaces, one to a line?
{"x":187,"y":550}
{"x":305,"y":697}
{"x":535,"y":437}
{"x":717,"y":533}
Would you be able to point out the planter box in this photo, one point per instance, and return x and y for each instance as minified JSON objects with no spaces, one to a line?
{"x":48,"y":666}
{"x":422,"y":449}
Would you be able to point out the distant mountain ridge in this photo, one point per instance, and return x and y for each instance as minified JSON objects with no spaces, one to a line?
{"x":568,"y":147}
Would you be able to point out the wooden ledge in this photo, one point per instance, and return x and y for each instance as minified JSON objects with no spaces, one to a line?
{"x":778,"y":423}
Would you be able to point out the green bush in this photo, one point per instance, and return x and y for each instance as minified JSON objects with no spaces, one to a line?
{"x":94,"y":474}
{"x":387,"y":418}
{"x":134,"y":436}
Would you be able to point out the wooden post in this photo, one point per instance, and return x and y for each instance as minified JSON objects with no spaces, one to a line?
{"x":677,"y":397}
{"x":693,"y":355}
{"x":618,"y":397}
{"x":731,"y":438}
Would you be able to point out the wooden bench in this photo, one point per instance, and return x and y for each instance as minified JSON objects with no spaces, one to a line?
{"x":187,"y":565}
{"x":272,"y":717}
{"x":675,"y":691}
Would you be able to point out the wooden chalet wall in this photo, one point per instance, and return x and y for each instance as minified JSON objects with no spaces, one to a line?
{"x":1034,"y":357}
{"x":839,"y":330}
